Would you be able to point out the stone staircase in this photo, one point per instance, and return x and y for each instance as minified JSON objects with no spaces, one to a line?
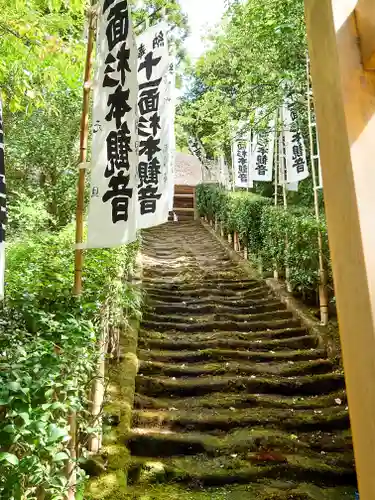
{"x":234,"y":396}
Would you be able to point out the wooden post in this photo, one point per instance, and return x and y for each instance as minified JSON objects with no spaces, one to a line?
{"x":365,"y":16}
{"x":345,"y":108}
{"x":323,"y":289}
{"x":77,"y":290}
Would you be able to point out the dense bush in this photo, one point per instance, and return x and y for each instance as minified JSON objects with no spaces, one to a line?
{"x":48,"y":354}
{"x":264,"y":229}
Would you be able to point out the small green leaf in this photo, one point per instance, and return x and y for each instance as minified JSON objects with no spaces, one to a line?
{"x":9,"y":457}
{"x":25,"y":417}
{"x":14,"y":386}
{"x":59,"y":457}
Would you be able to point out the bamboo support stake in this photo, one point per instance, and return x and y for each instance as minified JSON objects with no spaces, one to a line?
{"x":235,"y":241}
{"x":72,"y":447}
{"x":97,"y":394}
{"x":83,"y":156}
{"x":323,"y":289}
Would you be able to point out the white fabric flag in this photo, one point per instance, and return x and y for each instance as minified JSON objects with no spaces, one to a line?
{"x":171,"y":125}
{"x":154,"y":130}
{"x":241,"y":150}
{"x":292,"y":186}
{"x":3,"y":214}
{"x":295,"y":151}
{"x":262,"y":157}
{"x":112,"y":212}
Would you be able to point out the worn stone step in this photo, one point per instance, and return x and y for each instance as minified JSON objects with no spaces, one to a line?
{"x":331,"y":419}
{"x":211,"y":298}
{"x":219,"y":471}
{"x":238,"y":368}
{"x":212,"y":308}
{"x":228,"y":355}
{"x":242,"y":401}
{"x":211,"y":326}
{"x":235,"y":285}
{"x":156,"y":442}
{"x":263,"y":335}
{"x":245,"y":318}
{"x":304,"y":342}
{"x":198,"y":386}
{"x":199,"y":291}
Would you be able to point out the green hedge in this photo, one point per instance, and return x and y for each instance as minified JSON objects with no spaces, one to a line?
{"x":264,"y":228}
{"x":48,"y":354}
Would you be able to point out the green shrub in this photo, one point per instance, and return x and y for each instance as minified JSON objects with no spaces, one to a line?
{"x":265,"y":230}
{"x":49,"y":351}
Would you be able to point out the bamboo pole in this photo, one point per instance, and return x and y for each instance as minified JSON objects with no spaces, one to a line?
{"x":323,"y":289}
{"x":78,"y":264}
{"x":77,"y":290}
{"x":276,"y":272}
{"x":285,"y":200}
{"x":233,"y":171}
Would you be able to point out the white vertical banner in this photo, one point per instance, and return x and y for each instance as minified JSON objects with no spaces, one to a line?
{"x":295,"y":151}
{"x":241,"y":151}
{"x":171,"y":125}
{"x":154,"y":127}
{"x":112,"y":212}
{"x":262,"y":156}
{"x":3,"y":214}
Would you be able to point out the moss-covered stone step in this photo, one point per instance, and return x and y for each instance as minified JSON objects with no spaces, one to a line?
{"x":208,"y":299}
{"x":331,"y":419}
{"x":227,"y":355}
{"x":263,"y":335}
{"x":201,"y":291}
{"x":223,"y":316}
{"x":212,"y":308}
{"x":166,"y":443}
{"x":302,"y":342}
{"x":197,"y":386}
{"x":105,"y":489}
{"x":210,"y":326}
{"x":183,"y":286}
{"x":236,"y":469}
{"x":236,"y":368}
{"x":242,"y":400}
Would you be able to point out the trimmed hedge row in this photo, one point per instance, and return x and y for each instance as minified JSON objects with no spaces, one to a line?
{"x":263,"y":228}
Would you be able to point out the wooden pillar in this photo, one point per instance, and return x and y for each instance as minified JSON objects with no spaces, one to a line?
{"x":345,"y":107}
{"x":365,"y":14}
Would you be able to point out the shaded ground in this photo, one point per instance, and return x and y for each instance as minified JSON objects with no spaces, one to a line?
{"x":234,"y":398}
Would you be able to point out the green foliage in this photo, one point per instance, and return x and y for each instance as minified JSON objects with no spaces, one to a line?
{"x":42,"y":48}
{"x":257,"y":56}
{"x":42,"y":154}
{"x":265,"y":230}
{"x":48,"y":346}
{"x":239,"y":212}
